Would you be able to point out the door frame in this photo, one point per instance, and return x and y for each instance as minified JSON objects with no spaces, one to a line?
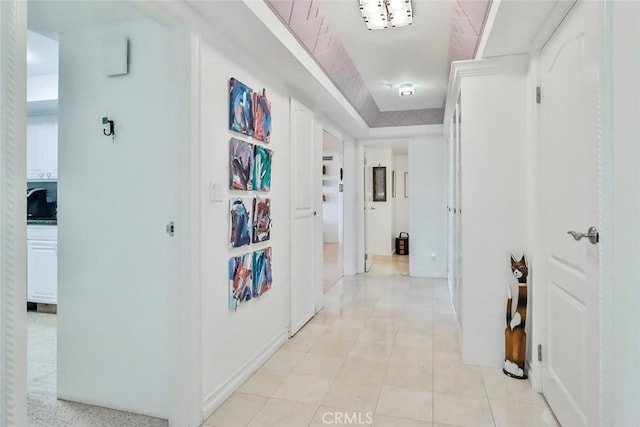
{"x":185,"y":379}
{"x":13,"y":229}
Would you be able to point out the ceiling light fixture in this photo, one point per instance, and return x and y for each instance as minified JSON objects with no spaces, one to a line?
{"x":380,"y":14}
{"x":406,"y":90}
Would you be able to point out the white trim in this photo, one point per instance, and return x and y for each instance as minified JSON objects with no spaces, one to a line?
{"x":537,"y":333}
{"x":262,"y":11}
{"x":549,"y":26}
{"x":479,"y":67}
{"x":13,"y":230}
{"x":614,"y":238}
{"x":217,"y":398}
{"x":491,"y":19}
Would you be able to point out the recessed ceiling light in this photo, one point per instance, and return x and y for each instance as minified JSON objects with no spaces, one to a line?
{"x":406,"y":90}
{"x":380,"y":14}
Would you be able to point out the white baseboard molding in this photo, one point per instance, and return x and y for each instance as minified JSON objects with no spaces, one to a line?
{"x":531,"y":376}
{"x":217,"y":397}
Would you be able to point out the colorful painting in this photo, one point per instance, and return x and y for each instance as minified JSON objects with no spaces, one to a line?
{"x":261,"y":116}
{"x":261,"y":220}
{"x":240,"y":110}
{"x":262,"y":278}
{"x":241,"y":160}
{"x":240,"y":230}
{"x":240,"y":280}
{"x":262,"y":169}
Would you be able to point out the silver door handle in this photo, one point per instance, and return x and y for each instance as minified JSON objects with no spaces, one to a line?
{"x":592,"y":234}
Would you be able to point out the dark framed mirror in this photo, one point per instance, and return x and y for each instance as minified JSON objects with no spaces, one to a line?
{"x":379,"y":183}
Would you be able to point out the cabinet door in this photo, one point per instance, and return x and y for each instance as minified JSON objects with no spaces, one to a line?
{"x":50,"y":150}
{"x":35,"y":137}
{"x":42,"y":149}
{"x":42,"y":271}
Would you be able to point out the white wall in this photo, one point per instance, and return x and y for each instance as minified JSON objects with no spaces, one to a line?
{"x":117,"y":266}
{"x":494,"y":207}
{"x":235,"y":344}
{"x":351,"y":202}
{"x":400,"y":203}
{"x":379,"y":214}
{"x":42,"y":88}
{"x":428,"y":200}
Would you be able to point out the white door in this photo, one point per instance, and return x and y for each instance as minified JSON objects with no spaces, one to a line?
{"x":303,"y":239}
{"x":368,"y":259}
{"x":42,"y":271}
{"x":569,"y":176}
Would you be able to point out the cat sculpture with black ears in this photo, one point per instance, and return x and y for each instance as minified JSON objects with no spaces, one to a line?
{"x":515,"y":338}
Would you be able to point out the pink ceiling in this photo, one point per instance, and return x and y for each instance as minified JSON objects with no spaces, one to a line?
{"x":308,"y":24}
{"x":466,"y":30}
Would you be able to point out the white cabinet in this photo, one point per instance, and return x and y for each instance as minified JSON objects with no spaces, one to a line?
{"x":42,"y":148}
{"x":42,"y":264}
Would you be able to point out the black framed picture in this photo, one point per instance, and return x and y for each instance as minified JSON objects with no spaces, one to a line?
{"x":379,"y":183}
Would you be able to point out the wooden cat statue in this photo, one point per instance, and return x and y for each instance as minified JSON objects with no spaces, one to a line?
{"x":515,"y":338}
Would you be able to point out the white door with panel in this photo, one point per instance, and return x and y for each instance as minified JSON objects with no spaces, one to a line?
{"x":42,"y":148}
{"x":303,"y":239}
{"x":42,"y":271}
{"x":568,"y":171}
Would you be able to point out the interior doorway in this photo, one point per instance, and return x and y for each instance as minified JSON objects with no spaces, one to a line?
{"x":99,"y":259}
{"x":386,"y":192}
{"x":332,"y":210}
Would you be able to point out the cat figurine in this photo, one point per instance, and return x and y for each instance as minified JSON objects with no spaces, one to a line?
{"x":515,"y":336}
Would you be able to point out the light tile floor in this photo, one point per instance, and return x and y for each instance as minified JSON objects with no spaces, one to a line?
{"x":383,"y":352}
{"x":44,"y":409}
{"x":332,"y":252}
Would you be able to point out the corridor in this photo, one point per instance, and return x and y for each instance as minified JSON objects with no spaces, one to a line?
{"x":383,"y":352}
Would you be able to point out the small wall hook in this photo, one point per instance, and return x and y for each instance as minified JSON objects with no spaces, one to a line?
{"x":106,"y":121}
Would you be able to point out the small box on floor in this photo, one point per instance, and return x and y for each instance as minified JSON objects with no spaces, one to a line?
{"x":402,"y":244}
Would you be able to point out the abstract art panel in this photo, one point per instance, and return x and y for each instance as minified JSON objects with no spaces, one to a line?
{"x":240,"y":280}
{"x":261,"y":116}
{"x":262,"y":169}
{"x":261,"y":220}
{"x":241,"y":160}
{"x":240,"y":109}
{"x":239,"y":224}
{"x":262,"y":278}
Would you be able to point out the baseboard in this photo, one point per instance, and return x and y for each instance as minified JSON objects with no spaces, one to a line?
{"x":217,"y":398}
{"x":529,"y":372}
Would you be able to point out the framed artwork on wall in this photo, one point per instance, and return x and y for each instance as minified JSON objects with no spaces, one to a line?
{"x":262,"y":277}
{"x":239,"y":224}
{"x":406,"y":184}
{"x":262,"y":169}
{"x":240,"y":280}
{"x":241,"y":161}
{"x":393,"y":184}
{"x":240,"y":107}
{"x":379,"y":183}
{"x":261,"y":116}
{"x":261,"y":220}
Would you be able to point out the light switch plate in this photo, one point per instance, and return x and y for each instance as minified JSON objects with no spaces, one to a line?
{"x":215,"y":191}
{"x":116,"y":56}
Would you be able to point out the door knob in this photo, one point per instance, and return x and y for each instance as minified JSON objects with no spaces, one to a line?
{"x":592,"y":234}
